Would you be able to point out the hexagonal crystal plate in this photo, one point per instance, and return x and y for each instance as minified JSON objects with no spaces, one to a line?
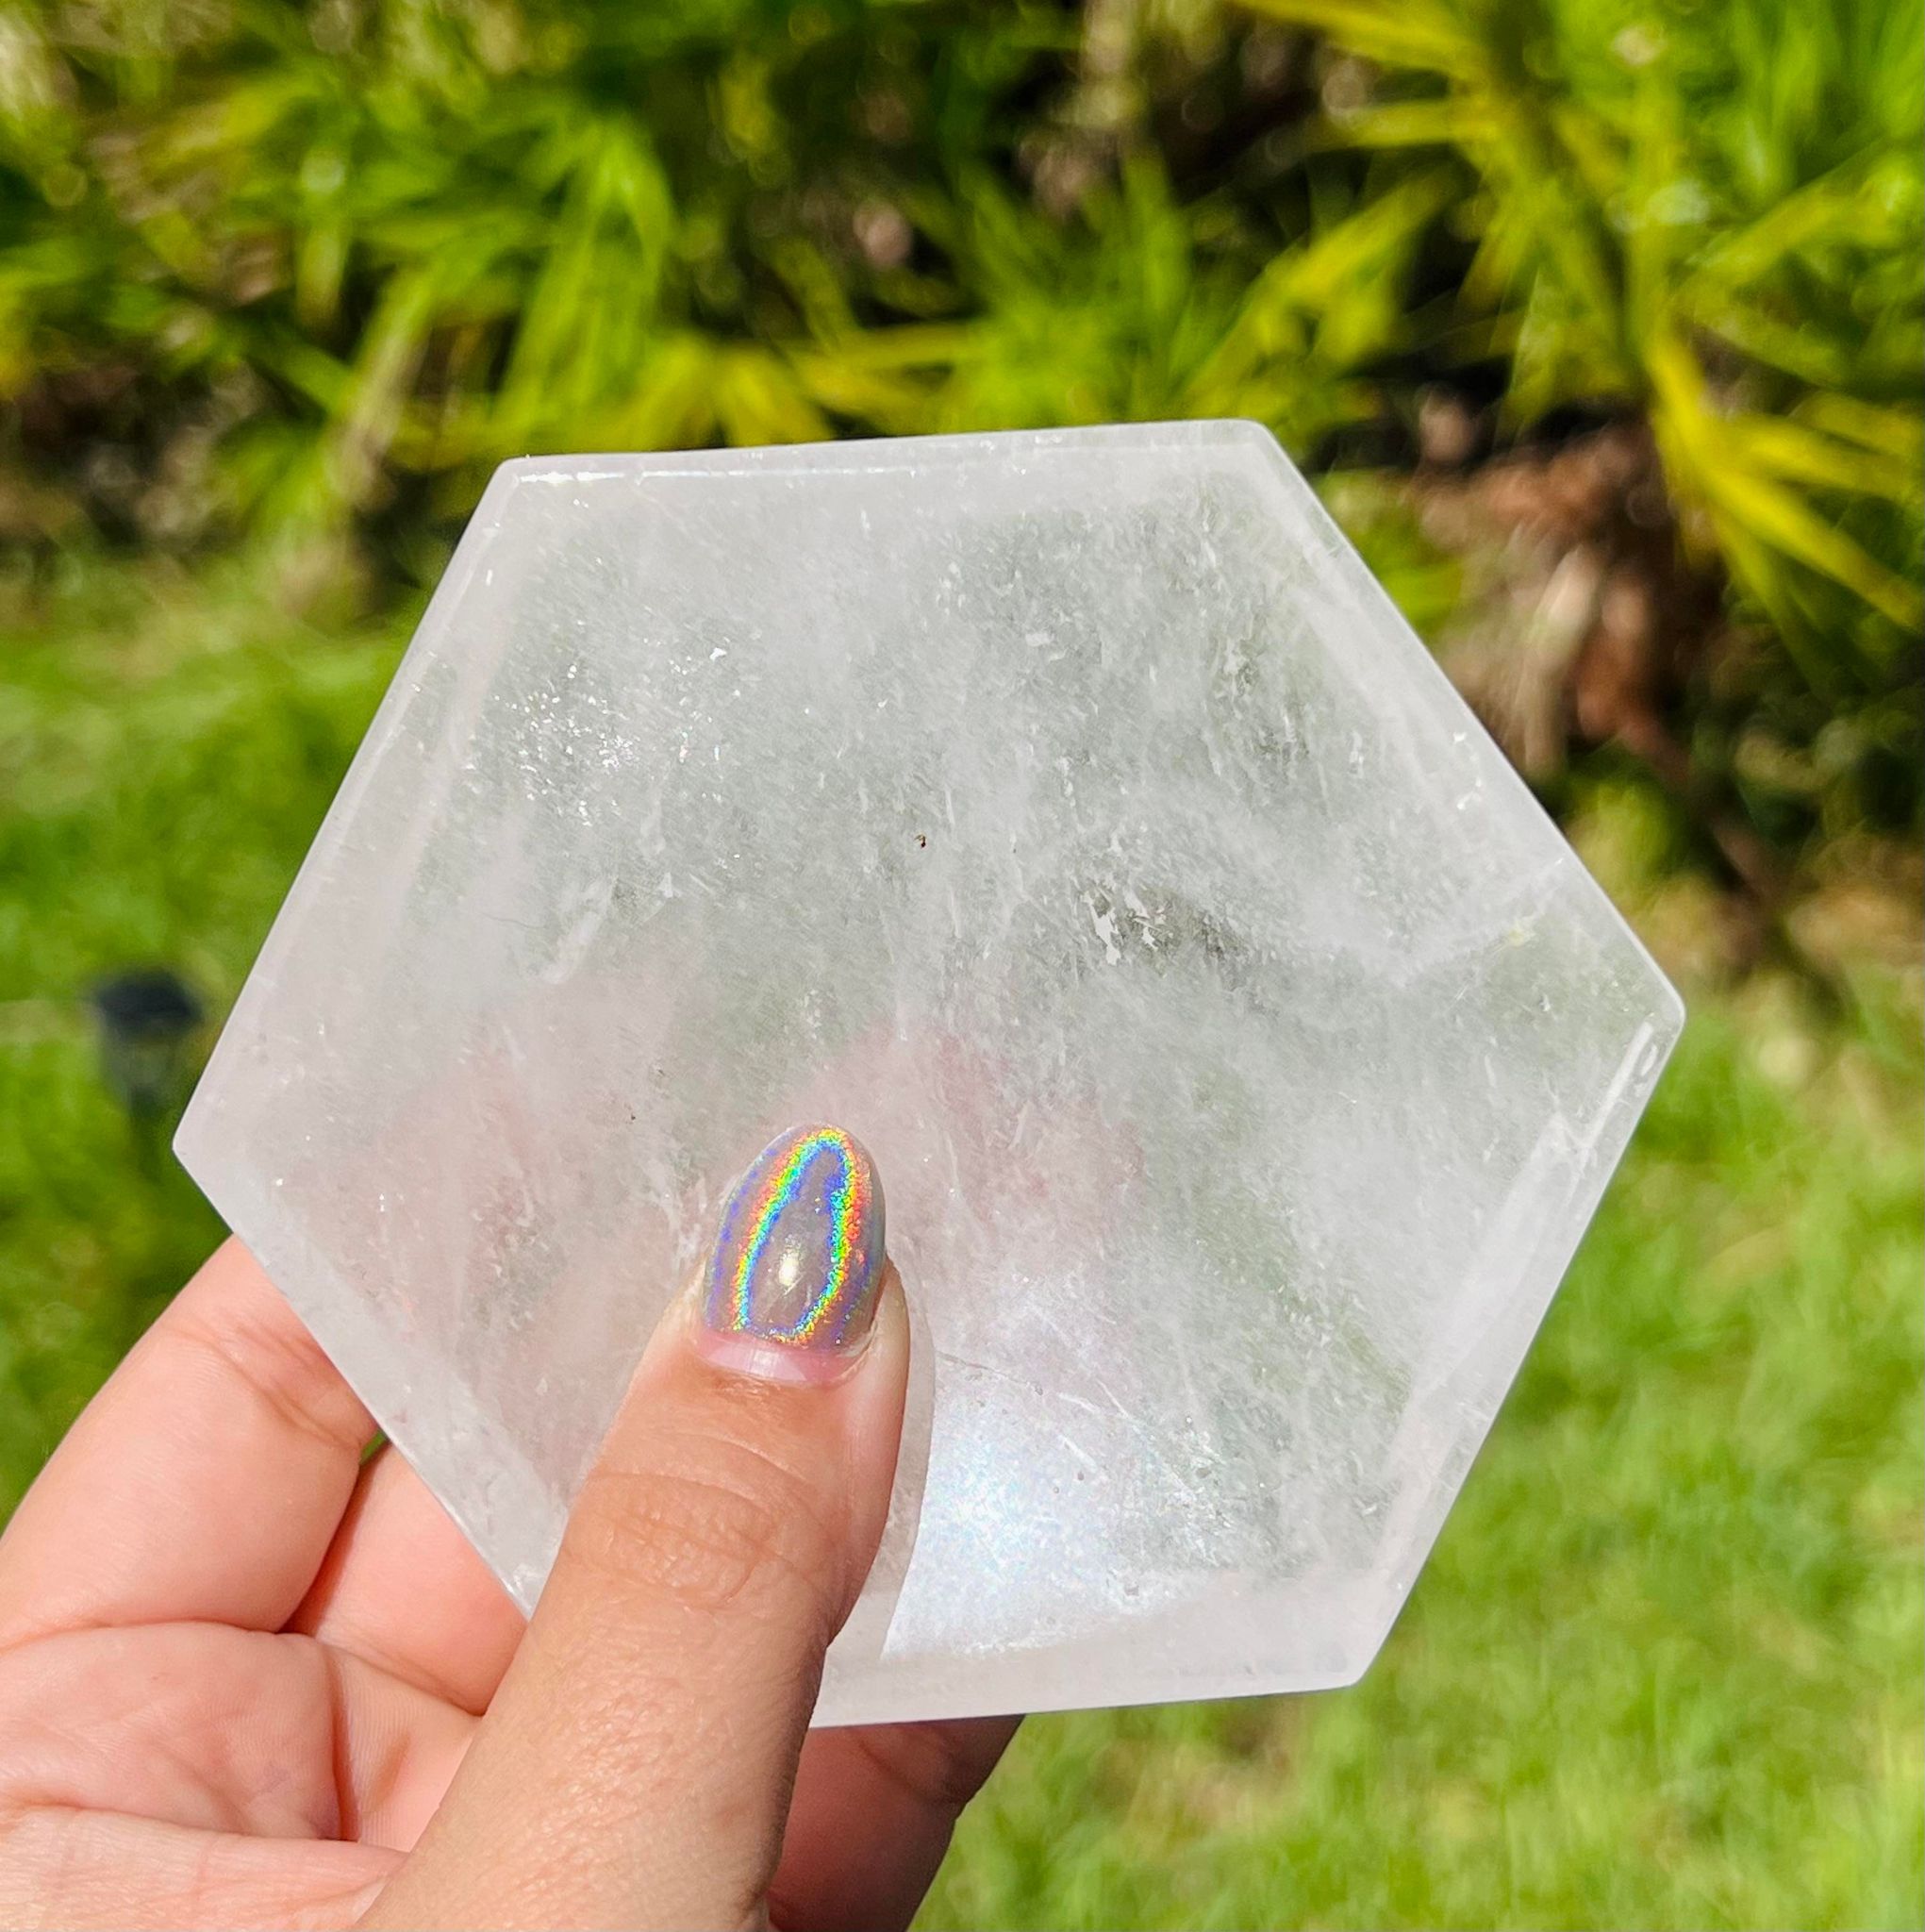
{"x":1073,"y":818}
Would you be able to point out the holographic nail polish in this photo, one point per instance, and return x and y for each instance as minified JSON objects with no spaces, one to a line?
{"x":800,"y":1255}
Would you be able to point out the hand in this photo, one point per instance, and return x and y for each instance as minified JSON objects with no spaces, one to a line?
{"x":251,"y":1678}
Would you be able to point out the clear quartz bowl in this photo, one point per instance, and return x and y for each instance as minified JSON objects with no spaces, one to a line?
{"x":1071,"y":818}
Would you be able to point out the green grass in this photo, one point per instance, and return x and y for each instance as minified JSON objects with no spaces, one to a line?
{"x":1665,"y":1668}
{"x":165,"y":755}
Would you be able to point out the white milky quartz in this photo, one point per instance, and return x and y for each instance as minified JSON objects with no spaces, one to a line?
{"x":1071,"y":818}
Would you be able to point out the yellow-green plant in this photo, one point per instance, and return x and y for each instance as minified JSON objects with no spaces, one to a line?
{"x":270,"y":268}
{"x":362,"y":249}
{"x":1711,"y":214}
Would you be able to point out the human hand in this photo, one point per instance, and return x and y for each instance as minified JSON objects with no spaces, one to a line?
{"x":252,"y":1676}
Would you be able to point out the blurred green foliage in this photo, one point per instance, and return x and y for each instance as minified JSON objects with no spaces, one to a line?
{"x":163,"y":764}
{"x":403,"y":241}
{"x":1709,"y":215}
{"x":1712,"y":214}
{"x":279,"y":271}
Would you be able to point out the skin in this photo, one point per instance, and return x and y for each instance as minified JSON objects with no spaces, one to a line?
{"x":248,"y":1678}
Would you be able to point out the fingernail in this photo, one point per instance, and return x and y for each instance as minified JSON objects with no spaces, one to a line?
{"x":791,"y":1287}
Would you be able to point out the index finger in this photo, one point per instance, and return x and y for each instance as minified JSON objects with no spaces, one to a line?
{"x":204,"y":1482}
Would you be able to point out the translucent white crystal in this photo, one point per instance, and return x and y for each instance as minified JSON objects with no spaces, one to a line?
{"x":1071,"y":818}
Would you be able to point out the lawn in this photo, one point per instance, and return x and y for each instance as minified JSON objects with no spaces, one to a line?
{"x":1665,"y":1668}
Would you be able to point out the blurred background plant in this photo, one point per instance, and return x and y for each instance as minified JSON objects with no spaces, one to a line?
{"x":1625,"y":293}
{"x":1601,"y":324}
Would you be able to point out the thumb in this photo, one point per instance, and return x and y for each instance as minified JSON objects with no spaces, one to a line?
{"x":636,"y":1766}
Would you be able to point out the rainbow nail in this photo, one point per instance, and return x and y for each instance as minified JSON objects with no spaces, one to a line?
{"x":800,"y":1254}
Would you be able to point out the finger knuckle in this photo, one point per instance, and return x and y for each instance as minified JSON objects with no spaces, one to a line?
{"x":939,"y":1767}
{"x":727,"y":1530}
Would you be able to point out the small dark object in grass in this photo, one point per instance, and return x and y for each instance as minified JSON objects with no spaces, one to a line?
{"x":148,"y":1019}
